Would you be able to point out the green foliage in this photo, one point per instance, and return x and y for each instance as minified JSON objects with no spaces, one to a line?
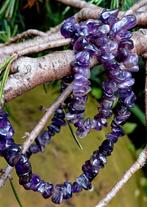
{"x":114,"y":4}
{"x":8,"y":31}
{"x":97,"y":2}
{"x":96,"y":92}
{"x":129,"y":127}
{"x":15,"y":193}
{"x":9,"y":9}
{"x":5,"y":68}
{"x":139,"y":114}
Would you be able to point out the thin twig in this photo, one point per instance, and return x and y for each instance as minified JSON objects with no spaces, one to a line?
{"x":80,"y":4}
{"x":44,"y":46}
{"x":135,"y":7}
{"x":140,"y":162}
{"x":35,"y":132}
{"x":29,"y":32}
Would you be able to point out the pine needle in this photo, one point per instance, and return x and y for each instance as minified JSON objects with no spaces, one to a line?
{"x":15,"y":193}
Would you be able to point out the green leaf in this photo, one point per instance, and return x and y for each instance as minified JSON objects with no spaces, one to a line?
{"x":96,"y":92}
{"x":45,"y":87}
{"x":6,"y":74}
{"x":138,"y":113}
{"x":126,"y":4}
{"x":15,"y":193}
{"x":74,"y":136}
{"x":129,"y":127}
{"x":97,"y":2}
{"x":114,"y":4}
{"x":66,"y":10}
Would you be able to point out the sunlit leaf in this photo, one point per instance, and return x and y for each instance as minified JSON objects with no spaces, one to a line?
{"x":129,"y":127}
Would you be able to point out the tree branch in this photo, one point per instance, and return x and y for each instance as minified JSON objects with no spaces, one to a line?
{"x":25,"y":34}
{"x":36,"y":71}
{"x":135,"y":7}
{"x":140,"y":162}
{"x":80,"y":4}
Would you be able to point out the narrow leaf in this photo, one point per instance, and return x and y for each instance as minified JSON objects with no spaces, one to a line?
{"x":15,"y":193}
{"x":97,"y":2}
{"x":114,"y":4}
{"x":138,"y":113}
{"x":5,"y":76}
{"x":74,"y":136}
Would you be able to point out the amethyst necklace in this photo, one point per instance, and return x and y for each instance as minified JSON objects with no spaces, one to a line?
{"x":109,"y":41}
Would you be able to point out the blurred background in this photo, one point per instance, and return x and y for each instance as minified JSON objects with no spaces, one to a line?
{"x":63,"y":158}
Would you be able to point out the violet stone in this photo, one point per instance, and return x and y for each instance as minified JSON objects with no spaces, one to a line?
{"x":67,"y":190}
{"x":84,"y":182}
{"x":76,"y":188}
{"x":57,"y":195}
{"x":48,"y":190}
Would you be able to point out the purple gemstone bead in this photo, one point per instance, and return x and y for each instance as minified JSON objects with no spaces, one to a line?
{"x":83,"y":30}
{"x":67,"y":190}
{"x":82,"y":132}
{"x":12,"y":154}
{"x":123,"y":35}
{"x":25,"y":178}
{"x":130,"y":100}
{"x":35,"y":181}
{"x":102,"y":159}
{"x":58,"y":122}
{"x":128,"y":44}
{"x":5,"y":144}
{"x":32,"y":149}
{"x":90,"y":170}
{"x":131,"y":61}
{"x":122,"y":115}
{"x":106,"y":147}
{"x":100,"y":41}
{"x":113,"y":137}
{"x":76,"y":188}
{"x":103,"y":30}
{"x":133,"y":69}
{"x":57,"y":195}
{"x":92,"y":25}
{"x":3,"y":119}
{"x":106,"y":104}
{"x":127,"y":22}
{"x":43,"y":139}
{"x":23,"y":166}
{"x":82,"y":58}
{"x":117,"y":130}
{"x":7,"y":131}
{"x":82,"y":71}
{"x":110,"y":87}
{"x":69,"y":27}
{"x":41,"y":186}
{"x":48,"y":190}
{"x":127,"y":83}
{"x":80,"y":44}
{"x":109,"y":17}
{"x":84,"y":182}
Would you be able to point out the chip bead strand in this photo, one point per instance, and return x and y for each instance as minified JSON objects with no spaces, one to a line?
{"x":109,"y":40}
{"x":30,"y":181}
